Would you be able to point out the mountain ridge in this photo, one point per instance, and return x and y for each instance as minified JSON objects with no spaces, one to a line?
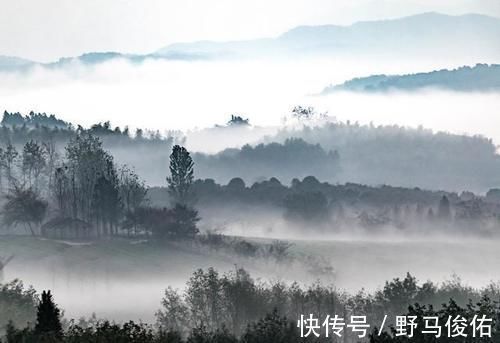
{"x":431,"y":32}
{"x":481,"y":77}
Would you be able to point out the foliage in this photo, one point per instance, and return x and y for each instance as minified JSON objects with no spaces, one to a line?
{"x":24,"y":206}
{"x":33,"y":162}
{"x":292,"y":158}
{"x":481,"y":77}
{"x":234,"y":308}
{"x":178,"y":222}
{"x":48,"y":317}
{"x":18,"y":304}
{"x":181,"y":175}
{"x":237,"y":120}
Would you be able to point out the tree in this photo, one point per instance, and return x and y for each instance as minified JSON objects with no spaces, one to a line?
{"x":184,"y":222}
{"x":18,"y":304}
{"x":132,"y":192}
{"x":87,"y":163}
{"x":174,"y":314}
{"x":178,"y":222}
{"x":61,"y":191}
{"x":204,"y":296}
{"x":24,"y":206}
{"x":272,"y":328}
{"x":238,"y":121}
{"x":444,"y":211}
{"x":33,"y":162}
{"x":106,"y":204}
{"x":9,"y":157}
{"x":303,"y":113}
{"x":2,"y":167}
{"x":306,"y":206}
{"x":51,"y":160}
{"x":181,"y":175}
{"x":48,"y":321}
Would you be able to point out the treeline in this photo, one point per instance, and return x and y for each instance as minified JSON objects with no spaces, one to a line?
{"x":481,"y":77}
{"x":233,"y":307}
{"x":140,"y":148}
{"x":315,"y":145}
{"x":403,"y":156}
{"x":347,"y":206}
{"x":234,"y":300}
{"x":33,"y":120}
{"x":85,"y":193}
{"x":18,"y":129}
{"x":291,"y":159}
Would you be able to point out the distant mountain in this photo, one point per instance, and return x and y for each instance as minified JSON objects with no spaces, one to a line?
{"x":8,"y":63}
{"x":481,"y":77}
{"x":14,"y":63}
{"x":430,"y":34}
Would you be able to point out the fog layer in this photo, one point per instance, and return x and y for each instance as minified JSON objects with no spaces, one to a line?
{"x":167,"y":95}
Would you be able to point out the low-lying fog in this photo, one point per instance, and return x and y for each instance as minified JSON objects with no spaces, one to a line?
{"x":123,"y":282}
{"x":171,"y":95}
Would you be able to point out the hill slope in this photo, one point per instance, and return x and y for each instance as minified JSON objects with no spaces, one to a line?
{"x":481,"y":77}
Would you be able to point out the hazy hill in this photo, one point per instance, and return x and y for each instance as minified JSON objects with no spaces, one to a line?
{"x":481,"y":77}
{"x":428,"y":34}
{"x":8,"y":63}
{"x":423,"y":34}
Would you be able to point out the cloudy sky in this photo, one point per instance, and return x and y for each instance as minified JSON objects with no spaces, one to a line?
{"x":45,"y":30}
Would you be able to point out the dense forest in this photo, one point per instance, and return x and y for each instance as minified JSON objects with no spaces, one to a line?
{"x":401,"y":156}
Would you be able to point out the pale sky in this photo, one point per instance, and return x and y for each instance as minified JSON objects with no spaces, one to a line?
{"x":45,"y":30}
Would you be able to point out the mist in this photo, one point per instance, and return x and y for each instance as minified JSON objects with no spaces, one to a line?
{"x":192,"y":96}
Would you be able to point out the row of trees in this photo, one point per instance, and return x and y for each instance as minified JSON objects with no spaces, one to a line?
{"x":234,"y":308}
{"x":338,"y":206}
{"x":234,"y":300}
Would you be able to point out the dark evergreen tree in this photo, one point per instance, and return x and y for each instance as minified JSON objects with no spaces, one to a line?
{"x":48,"y":317}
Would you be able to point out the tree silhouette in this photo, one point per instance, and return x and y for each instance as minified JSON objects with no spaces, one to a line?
{"x":24,"y":206}
{"x":9,"y":158}
{"x":181,"y":175}
{"x":33,"y":162}
{"x":444,"y":211}
{"x":48,"y":321}
{"x":238,"y":120}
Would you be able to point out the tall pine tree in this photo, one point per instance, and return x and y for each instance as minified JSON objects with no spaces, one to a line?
{"x":48,"y":321}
